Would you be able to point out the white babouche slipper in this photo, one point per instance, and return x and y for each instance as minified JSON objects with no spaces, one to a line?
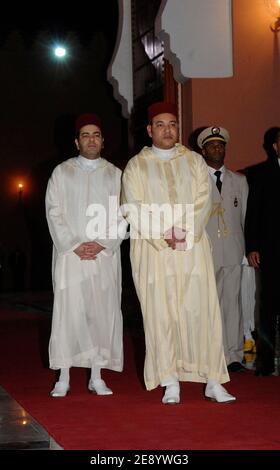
{"x":172,"y":394}
{"x":99,"y":387}
{"x":60,"y":389}
{"x":218,"y":393}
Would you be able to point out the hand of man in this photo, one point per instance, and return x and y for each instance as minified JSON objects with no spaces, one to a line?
{"x":88,"y":250}
{"x":254,"y":259}
{"x":175,"y":237}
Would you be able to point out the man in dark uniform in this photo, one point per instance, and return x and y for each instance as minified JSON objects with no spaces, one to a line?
{"x":263,"y":250}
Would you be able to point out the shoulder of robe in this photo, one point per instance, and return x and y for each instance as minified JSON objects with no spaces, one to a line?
{"x":63,"y":166}
{"x":192,"y":156}
{"x":181,"y":149}
{"x":133,"y":162}
{"x":111,"y":167}
{"x":144,"y":153}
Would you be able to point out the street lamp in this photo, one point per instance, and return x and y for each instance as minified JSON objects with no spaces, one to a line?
{"x":273,"y":7}
{"x":20,"y":190}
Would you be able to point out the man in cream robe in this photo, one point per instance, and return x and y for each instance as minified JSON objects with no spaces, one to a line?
{"x":173,"y":274}
{"x":87,"y":320}
{"x":226,"y":231}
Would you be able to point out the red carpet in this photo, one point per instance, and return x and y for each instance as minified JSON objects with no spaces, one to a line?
{"x":132,"y":418}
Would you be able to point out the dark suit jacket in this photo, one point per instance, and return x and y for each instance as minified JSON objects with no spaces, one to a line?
{"x":262,"y":235}
{"x":263,"y":212}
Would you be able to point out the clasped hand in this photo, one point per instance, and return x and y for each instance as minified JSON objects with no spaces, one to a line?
{"x":175,"y":237}
{"x":88,"y":250}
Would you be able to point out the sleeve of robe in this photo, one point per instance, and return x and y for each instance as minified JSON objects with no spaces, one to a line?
{"x":63,"y":239}
{"x":202,"y":199}
{"x":117,"y":225}
{"x":135,"y":210}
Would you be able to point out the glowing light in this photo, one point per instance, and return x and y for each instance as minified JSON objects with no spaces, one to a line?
{"x":60,"y":52}
{"x":273,"y":7}
{"x":20,"y":185}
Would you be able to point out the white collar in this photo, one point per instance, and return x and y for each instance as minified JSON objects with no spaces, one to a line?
{"x":213,"y":170}
{"x":87,"y":164}
{"x":164,"y":154}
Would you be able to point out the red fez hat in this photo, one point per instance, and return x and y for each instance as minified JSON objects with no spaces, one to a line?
{"x":88,"y":118}
{"x":161,"y":107}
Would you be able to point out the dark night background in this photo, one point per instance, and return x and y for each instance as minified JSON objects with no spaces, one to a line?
{"x":40,"y":98}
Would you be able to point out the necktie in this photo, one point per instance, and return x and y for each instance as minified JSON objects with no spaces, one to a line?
{"x":218,"y":182}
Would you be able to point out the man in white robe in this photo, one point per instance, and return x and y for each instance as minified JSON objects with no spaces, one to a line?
{"x":87,"y":319}
{"x":172,"y":264}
